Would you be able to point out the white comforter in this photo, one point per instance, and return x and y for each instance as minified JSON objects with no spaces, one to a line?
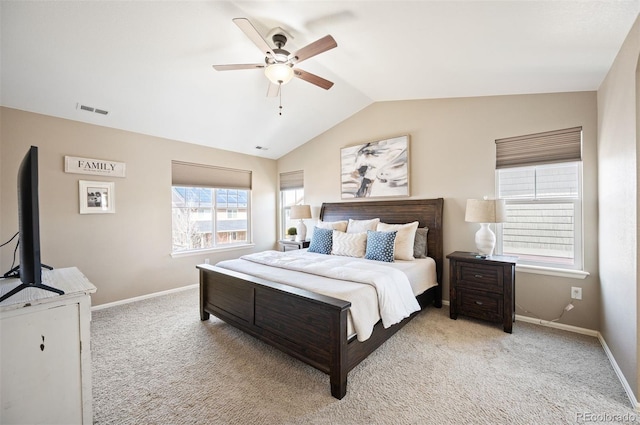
{"x":396,"y":300}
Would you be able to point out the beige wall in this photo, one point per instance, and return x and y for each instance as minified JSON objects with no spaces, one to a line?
{"x":618,"y":140}
{"x":125,"y":254}
{"x":453,"y":156}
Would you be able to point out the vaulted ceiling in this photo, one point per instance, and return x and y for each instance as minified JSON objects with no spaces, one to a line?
{"x":149,"y":63}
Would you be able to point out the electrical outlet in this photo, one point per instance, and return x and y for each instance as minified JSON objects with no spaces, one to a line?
{"x":576,"y":293}
{"x":206,"y":261}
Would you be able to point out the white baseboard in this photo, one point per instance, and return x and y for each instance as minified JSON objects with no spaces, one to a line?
{"x":143,"y":297}
{"x":616,"y":368}
{"x":556,"y":325}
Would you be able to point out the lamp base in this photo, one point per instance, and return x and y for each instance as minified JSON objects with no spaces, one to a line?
{"x":485,"y":240}
{"x":301,"y":232}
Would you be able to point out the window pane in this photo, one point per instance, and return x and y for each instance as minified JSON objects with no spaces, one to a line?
{"x":231,"y":219}
{"x":540,"y":229}
{"x":191,"y":217}
{"x":559,"y":181}
{"x":516,"y":183}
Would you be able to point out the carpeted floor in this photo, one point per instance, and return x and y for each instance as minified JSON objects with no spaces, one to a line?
{"x":155,"y":362}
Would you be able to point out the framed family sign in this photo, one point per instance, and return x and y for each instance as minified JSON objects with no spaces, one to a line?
{"x":97,"y":197}
{"x":375,"y":169}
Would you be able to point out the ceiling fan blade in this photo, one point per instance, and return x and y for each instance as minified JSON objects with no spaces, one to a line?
{"x":322,"y":45}
{"x":273,"y":90}
{"x":254,"y":35}
{"x":234,"y":67}
{"x":312,"y":78}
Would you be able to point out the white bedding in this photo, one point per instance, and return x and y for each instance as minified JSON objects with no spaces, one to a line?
{"x":364,"y":312}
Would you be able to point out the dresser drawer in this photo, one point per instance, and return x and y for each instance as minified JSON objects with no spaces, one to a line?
{"x":481,"y":305}
{"x":479,"y":276}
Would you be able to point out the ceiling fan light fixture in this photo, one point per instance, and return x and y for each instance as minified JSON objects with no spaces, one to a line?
{"x":279,"y":73}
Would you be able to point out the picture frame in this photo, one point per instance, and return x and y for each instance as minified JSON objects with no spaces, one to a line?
{"x":97,"y":197}
{"x":378,"y":169}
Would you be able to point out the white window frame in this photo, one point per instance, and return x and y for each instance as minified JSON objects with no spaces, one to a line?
{"x":214,"y":225}
{"x":537,"y":263}
{"x":285,"y":209}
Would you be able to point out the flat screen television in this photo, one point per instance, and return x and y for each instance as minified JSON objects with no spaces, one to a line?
{"x":29,"y":269}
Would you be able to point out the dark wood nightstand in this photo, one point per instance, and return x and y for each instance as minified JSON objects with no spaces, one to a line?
{"x":483,"y":288}
{"x":287,"y":245}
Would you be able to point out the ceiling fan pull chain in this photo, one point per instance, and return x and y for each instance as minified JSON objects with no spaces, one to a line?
{"x":280,"y":92}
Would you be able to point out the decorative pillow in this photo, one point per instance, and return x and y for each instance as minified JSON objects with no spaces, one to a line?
{"x":380,"y":246}
{"x":349,"y":244}
{"x":360,"y":226}
{"x":333,"y":225}
{"x":404,"y":238}
{"x":420,"y":243}
{"x":321,"y":241}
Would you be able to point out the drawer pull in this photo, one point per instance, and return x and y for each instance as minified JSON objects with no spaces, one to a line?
{"x":479,"y":302}
{"x":479,"y":276}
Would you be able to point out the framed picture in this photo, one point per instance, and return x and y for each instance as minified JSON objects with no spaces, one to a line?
{"x":97,"y":197}
{"x":375,"y":169}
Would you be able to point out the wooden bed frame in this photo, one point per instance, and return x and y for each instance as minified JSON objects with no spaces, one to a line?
{"x":309,"y":326}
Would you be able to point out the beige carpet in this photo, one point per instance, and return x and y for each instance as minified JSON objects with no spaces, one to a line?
{"x":155,"y":362}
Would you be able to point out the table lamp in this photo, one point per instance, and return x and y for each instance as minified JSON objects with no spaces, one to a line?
{"x":300,"y":212}
{"x":485,"y":211}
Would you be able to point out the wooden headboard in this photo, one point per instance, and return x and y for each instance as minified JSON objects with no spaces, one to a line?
{"x":428,"y":212}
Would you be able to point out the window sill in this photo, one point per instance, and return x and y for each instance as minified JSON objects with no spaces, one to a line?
{"x":551,"y":271}
{"x":211,"y":250}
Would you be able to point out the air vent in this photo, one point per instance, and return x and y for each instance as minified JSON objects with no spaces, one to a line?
{"x":91,"y":109}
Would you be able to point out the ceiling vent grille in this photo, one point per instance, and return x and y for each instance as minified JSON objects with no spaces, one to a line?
{"x":91,"y":109}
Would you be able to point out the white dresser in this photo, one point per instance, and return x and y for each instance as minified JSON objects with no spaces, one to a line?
{"x":45,"y":357}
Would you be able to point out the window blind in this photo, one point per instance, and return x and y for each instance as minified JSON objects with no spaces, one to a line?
{"x":540,"y":148}
{"x":200,"y":175}
{"x":292,"y":180}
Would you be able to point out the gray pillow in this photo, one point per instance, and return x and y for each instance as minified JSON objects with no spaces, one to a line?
{"x":420,"y":243}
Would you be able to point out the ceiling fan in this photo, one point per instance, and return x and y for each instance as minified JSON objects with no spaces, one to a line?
{"x":279,"y":64}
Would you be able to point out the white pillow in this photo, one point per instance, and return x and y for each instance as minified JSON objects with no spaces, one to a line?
{"x":333,"y":225}
{"x":349,"y":244}
{"x":360,"y":226}
{"x":403,"y":246}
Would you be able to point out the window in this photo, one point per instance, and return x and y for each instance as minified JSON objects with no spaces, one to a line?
{"x":201,"y":221}
{"x":543,"y":200}
{"x":209,"y":217}
{"x":291,"y":193}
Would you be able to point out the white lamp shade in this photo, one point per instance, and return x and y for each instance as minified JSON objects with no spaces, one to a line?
{"x":300,"y":212}
{"x":279,"y":73}
{"x":485,"y":211}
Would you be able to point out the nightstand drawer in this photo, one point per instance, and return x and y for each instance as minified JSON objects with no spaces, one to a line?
{"x":481,"y":305}
{"x":486,"y":278}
